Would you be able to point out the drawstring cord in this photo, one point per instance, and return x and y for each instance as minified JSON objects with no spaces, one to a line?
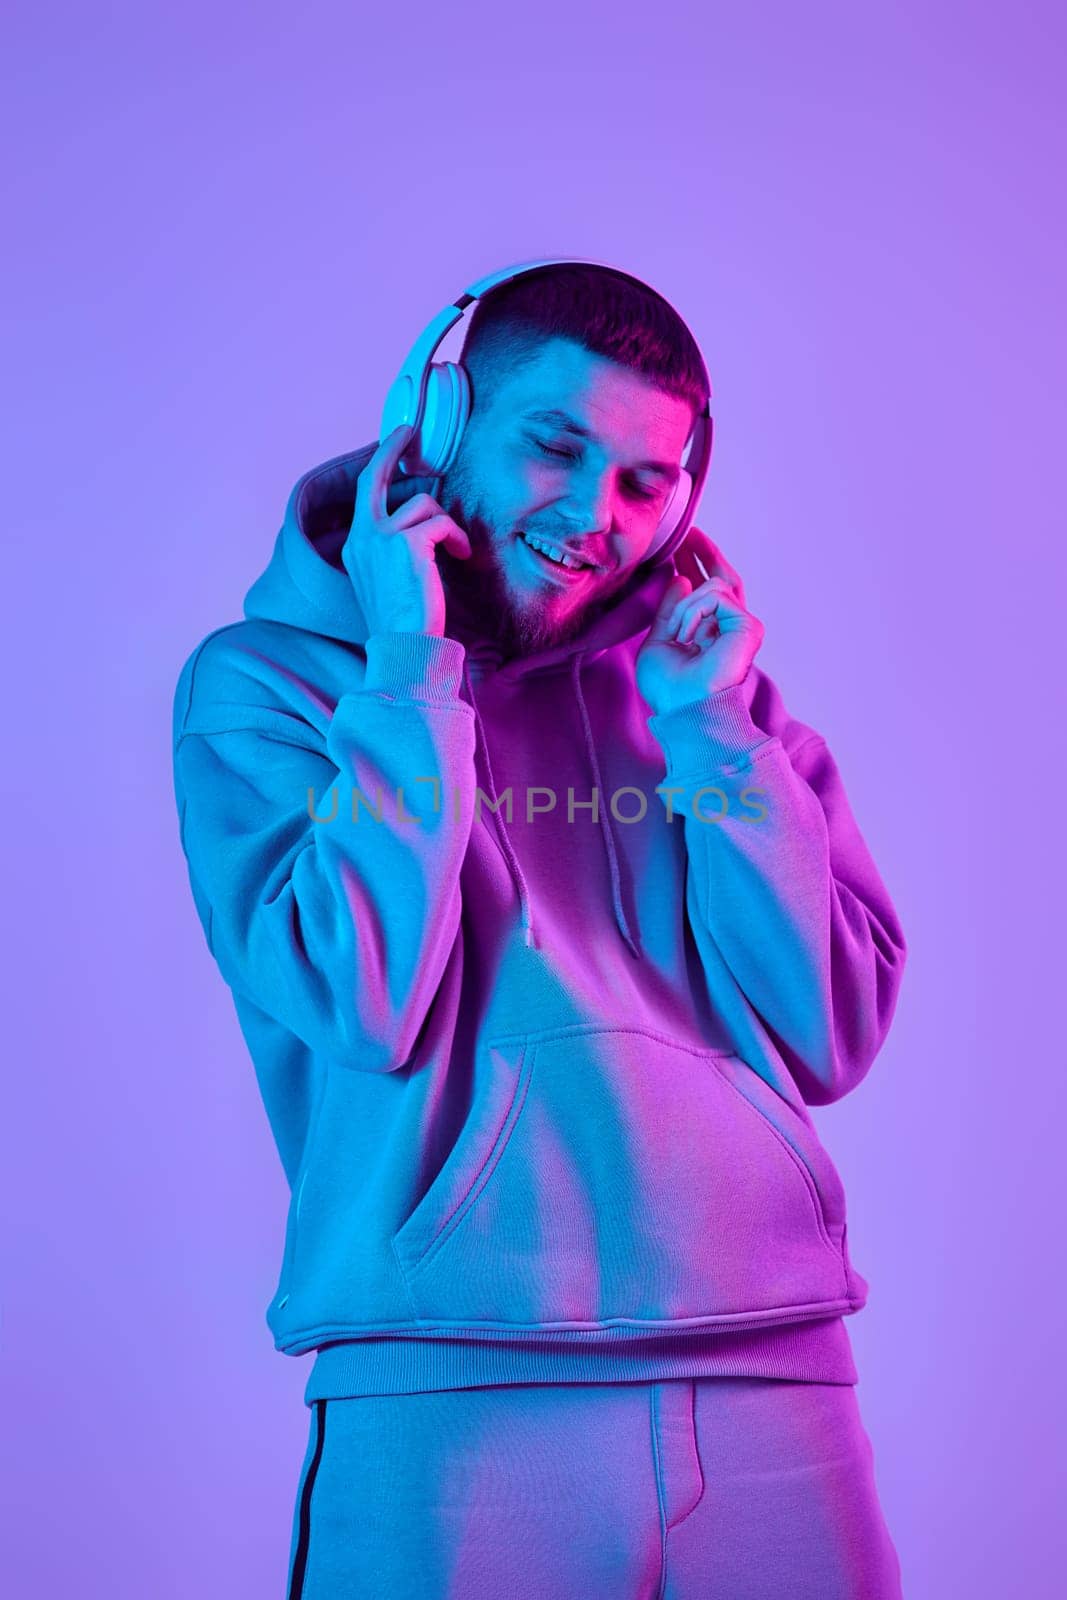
{"x":529,"y":937}
{"x":609,"y":834}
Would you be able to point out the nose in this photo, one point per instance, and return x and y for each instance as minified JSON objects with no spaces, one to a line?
{"x":588,"y":507}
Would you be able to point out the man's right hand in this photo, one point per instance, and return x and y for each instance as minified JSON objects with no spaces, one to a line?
{"x":390,"y":555}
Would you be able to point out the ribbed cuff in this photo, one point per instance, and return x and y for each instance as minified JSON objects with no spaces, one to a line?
{"x":712,"y":732}
{"x":414,"y":666}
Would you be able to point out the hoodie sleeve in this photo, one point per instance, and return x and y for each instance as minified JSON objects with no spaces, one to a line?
{"x":781,"y":885}
{"x":340,"y":929}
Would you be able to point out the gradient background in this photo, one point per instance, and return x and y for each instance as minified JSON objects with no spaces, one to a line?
{"x":224,"y":233}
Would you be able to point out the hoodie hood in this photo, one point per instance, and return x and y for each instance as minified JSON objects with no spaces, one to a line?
{"x":306,"y":585}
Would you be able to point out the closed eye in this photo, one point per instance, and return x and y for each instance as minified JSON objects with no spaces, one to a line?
{"x":568,"y":455}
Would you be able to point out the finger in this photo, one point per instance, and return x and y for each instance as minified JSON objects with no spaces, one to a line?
{"x":404,"y":489}
{"x":662,"y":626}
{"x":706,"y":632}
{"x":417,"y":509}
{"x":687,"y":562}
{"x":715,"y":588}
{"x":714,"y":598}
{"x":700,"y":612}
{"x":710,"y":627}
{"x":723,"y":583}
{"x":443,"y":530}
{"x":381,"y":467}
{"x":699,"y":544}
{"x":709,"y":547}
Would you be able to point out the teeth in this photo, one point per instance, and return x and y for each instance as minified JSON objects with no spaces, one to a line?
{"x":553,"y":552}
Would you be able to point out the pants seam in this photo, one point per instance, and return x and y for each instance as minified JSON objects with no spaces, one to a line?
{"x":300,"y":1558}
{"x":661,"y":1502}
{"x":696,"y":1451}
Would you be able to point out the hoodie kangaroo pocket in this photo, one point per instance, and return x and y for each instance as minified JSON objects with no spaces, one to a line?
{"x":800,"y":1136}
{"x":624,"y":1178}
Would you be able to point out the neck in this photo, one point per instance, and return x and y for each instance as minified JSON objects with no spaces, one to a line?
{"x":467,"y":624}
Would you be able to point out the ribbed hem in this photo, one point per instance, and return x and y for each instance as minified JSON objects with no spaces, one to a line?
{"x":712,"y":732}
{"x":818,"y":1351}
{"x":414,"y":666}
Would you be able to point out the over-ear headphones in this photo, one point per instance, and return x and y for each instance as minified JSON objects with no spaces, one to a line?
{"x":434,"y":398}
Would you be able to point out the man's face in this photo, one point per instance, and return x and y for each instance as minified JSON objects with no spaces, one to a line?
{"x":600,"y":497}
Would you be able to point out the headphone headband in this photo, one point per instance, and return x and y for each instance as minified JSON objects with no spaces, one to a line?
{"x":433,"y":398}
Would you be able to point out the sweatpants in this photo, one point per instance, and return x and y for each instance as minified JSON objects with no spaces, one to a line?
{"x":686,"y":1489}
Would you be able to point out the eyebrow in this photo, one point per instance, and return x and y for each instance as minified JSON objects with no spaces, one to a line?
{"x":563,"y":420}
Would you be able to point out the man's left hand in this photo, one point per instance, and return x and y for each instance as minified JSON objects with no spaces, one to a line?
{"x":702,"y":638}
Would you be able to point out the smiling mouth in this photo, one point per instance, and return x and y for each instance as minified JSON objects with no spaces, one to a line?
{"x":570,"y":569}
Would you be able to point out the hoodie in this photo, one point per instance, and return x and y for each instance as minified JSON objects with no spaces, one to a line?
{"x":538,"y":987}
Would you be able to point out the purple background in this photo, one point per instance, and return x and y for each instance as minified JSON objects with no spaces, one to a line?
{"x":223,"y":236}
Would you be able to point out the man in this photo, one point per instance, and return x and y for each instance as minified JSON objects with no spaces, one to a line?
{"x":545,"y":922}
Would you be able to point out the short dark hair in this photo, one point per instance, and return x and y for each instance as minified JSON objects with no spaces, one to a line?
{"x":602,"y":309}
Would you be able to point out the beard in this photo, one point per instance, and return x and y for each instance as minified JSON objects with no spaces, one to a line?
{"x":479,"y":602}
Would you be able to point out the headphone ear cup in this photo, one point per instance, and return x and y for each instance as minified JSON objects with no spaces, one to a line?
{"x":672,"y":513}
{"x":445,"y":409}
